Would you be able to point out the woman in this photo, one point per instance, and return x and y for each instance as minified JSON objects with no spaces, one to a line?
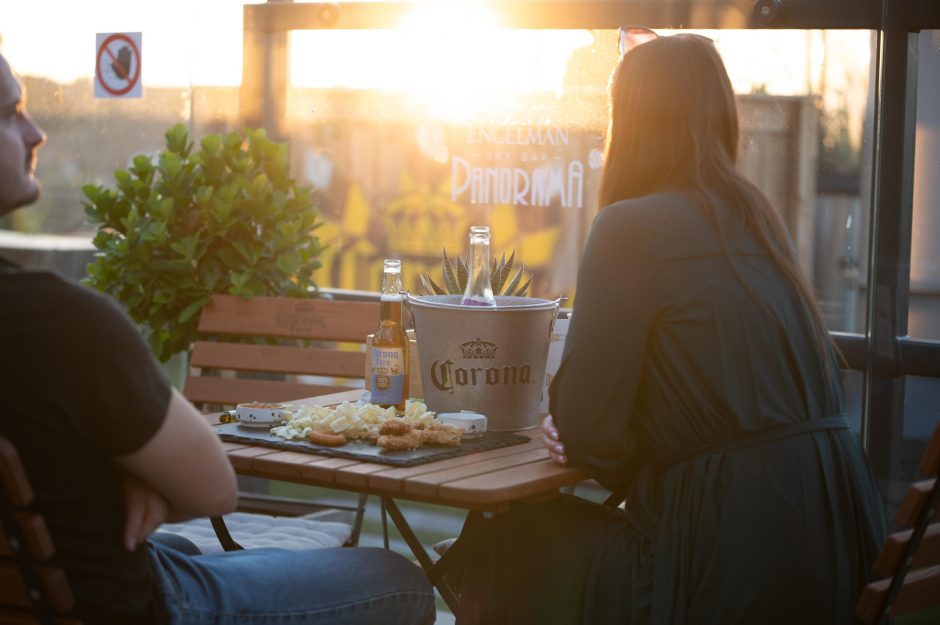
{"x":699,"y":381}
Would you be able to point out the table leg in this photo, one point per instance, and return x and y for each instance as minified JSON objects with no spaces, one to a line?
{"x":384,"y":523}
{"x":433,"y":572}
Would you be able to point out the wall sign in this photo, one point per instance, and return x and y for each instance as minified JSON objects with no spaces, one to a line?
{"x":117,"y":65}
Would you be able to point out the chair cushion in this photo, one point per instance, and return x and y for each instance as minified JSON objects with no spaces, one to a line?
{"x":252,"y":531}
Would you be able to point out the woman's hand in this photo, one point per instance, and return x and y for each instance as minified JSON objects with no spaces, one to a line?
{"x":552,"y":441}
{"x":144,"y":511}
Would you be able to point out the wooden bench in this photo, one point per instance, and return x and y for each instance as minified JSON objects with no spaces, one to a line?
{"x":251,"y":350}
{"x":909,"y":561}
{"x":279,"y":349}
{"x":32,"y":588}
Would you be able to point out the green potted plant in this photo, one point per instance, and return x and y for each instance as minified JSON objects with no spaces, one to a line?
{"x":180,"y":227}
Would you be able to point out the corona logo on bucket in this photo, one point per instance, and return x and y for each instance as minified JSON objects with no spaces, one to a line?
{"x":445,"y":376}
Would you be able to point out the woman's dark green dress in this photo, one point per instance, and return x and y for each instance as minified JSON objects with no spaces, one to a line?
{"x":692,"y":381}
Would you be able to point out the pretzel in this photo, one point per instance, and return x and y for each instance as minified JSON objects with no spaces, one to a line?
{"x":327,"y":440}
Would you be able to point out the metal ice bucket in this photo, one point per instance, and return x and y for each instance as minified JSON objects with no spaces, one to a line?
{"x":486,"y":360}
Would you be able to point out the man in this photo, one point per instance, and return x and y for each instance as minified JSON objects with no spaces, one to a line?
{"x":20,"y":139}
{"x":113,"y":451}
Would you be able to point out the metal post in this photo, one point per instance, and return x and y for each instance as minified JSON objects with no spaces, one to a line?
{"x":265,"y":68}
{"x":889,"y":281}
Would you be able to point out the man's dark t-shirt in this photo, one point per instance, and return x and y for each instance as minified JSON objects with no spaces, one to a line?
{"x":79,"y":388}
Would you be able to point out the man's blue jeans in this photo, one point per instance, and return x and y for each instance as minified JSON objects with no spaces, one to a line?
{"x":342,"y":586}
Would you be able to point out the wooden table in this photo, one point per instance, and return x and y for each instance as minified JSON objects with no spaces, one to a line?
{"x":483,"y":483}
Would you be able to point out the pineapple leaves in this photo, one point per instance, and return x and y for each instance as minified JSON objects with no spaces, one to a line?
{"x":496,"y":271}
{"x":463,"y":274}
{"x":450,"y":278}
{"x":430,"y":286}
{"x":456,"y":273}
{"x":499,"y":273}
{"x":511,"y":289}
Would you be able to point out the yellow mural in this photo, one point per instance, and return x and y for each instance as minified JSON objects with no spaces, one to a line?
{"x":416,"y":226}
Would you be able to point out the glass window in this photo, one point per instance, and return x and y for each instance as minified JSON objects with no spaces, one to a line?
{"x":190,"y":74}
{"x":413,"y":133}
{"x":921,"y":415}
{"x":448,"y":126}
{"x":924,"y":309}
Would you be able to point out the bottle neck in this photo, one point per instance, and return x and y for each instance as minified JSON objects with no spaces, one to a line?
{"x":479,"y":292}
{"x":480,"y":259}
{"x":391,"y":284}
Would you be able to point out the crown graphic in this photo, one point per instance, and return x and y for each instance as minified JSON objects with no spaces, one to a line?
{"x":423,"y":219}
{"x":478,"y":349}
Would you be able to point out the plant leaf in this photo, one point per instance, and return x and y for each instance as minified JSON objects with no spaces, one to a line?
{"x":177,"y":138}
{"x":507,"y":269}
{"x":430,"y":287}
{"x":194,"y":307}
{"x":524,"y":288}
{"x":463,"y":274}
{"x":511,"y":288}
{"x":92,"y":192}
{"x":495,"y":270}
{"x":156,"y":343}
{"x":502,"y":272}
{"x":451,"y":282}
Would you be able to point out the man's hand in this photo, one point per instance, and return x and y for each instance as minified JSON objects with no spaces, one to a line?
{"x":552,"y":441}
{"x":145,"y":510}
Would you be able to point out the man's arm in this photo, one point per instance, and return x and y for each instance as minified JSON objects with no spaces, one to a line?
{"x":185,"y":463}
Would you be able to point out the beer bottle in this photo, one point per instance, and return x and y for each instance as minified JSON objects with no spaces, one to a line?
{"x":390,"y":344}
{"x":478,"y":291}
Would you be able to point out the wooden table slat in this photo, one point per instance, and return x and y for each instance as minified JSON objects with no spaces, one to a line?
{"x":358,"y":476}
{"x":429,"y":483}
{"x":325,"y":471}
{"x":244,"y":459}
{"x":286,"y":463}
{"x":393,"y":479}
{"x":511,"y":484}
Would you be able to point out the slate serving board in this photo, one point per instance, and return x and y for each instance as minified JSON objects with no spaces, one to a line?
{"x":367,"y":452}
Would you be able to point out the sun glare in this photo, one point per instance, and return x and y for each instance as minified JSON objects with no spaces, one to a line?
{"x":453,"y":60}
{"x":449,"y":53}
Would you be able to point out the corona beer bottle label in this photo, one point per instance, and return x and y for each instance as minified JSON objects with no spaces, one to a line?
{"x":388,"y":375}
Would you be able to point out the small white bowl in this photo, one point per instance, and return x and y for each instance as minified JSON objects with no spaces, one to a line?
{"x":472,"y":423}
{"x":259,"y":413}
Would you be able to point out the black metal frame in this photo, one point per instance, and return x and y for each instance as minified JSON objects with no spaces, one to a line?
{"x":434,"y":570}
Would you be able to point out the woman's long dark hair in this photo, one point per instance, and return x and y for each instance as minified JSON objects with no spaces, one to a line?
{"x":674,"y":124}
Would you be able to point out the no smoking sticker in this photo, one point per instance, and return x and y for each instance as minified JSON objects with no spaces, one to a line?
{"x":117,"y":65}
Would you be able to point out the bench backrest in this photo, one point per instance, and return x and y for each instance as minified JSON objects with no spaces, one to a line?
{"x":282,"y":336}
{"x":32,"y":588}
{"x":909,"y":562}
